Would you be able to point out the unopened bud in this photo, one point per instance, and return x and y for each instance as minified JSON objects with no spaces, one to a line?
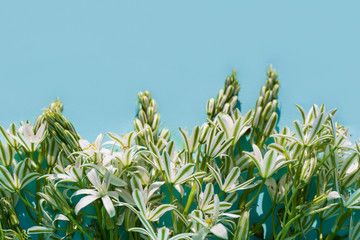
{"x":263,"y":91}
{"x":275,"y":90}
{"x":147,"y":94}
{"x":237,"y":89}
{"x":271,"y":124}
{"x":155,"y":122}
{"x":138,"y":125}
{"x":210,"y":106}
{"x":220,"y":94}
{"x":140,"y":95}
{"x":227,"y":82}
{"x":221,"y":102}
{"x":165,"y":134}
{"x":259,"y":102}
{"x":56,"y":106}
{"x":267,"y":111}
{"x":229,"y":90}
{"x":308,"y":169}
{"x":150,"y":114}
{"x":145,"y":102}
{"x":257,"y":117}
{"x":233,"y":102}
{"x":204,"y":132}
{"x":274,"y":105}
{"x":267,"y":97}
{"x":153,"y":104}
{"x":226,"y":108}
{"x":142,"y":116}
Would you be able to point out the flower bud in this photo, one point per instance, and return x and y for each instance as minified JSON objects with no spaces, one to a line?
{"x":140,"y":95}
{"x":150,"y":114}
{"x":274,"y":105}
{"x":229,"y":91}
{"x":275,"y":90}
{"x":259,"y":102}
{"x":165,"y":134}
{"x":210,"y":107}
{"x":263,"y":91}
{"x":257,"y":117}
{"x":271,"y":124}
{"x":220,"y":94}
{"x":147,"y":94}
{"x":204,"y":132}
{"x":153,"y":104}
{"x":267,"y":97}
{"x":56,"y":106}
{"x":142,"y":116}
{"x":221,"y":102}
{"x":7,"y":154}
{"x":226,"y":108}
{"x":155,"y":122}
{"x":270,"y":82}
{"x":242,"y":230}
{"x":233,"y":102}
{"x":145,"y":102}
{"x":237,"y":89}
{"x":267,"y":111}
{"x":308,"y":169}
{"x":138,"y":125}
{"x":227,"y":82}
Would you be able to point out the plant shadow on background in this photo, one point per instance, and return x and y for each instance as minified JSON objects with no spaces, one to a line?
{"x":238,"y":176}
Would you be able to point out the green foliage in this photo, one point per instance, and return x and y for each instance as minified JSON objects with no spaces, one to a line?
{"x":140,"y":185}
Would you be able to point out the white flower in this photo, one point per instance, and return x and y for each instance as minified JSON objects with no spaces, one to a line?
{"x":100,"y":191}
{"x":26,"y":137}
{"x":233,"y":129}
{"x":268,"y":165}
{"x":91,"y":149}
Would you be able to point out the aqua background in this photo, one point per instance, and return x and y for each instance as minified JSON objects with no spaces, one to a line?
{"x":96,"y":55}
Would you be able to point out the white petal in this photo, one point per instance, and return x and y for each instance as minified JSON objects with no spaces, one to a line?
{"x":98,"y":141}
{"x":27,"y":131}
{"x":94,"y":178}
{"x":40,"y":131}
{"x":84,"y":202}
{"x":84,"y":143}
{"x":333,"y":195}
{"x":109,"y":206}
{"x":220,"y":231}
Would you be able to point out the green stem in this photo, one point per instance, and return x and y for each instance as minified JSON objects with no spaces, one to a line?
{"x":2,"y":235}
{"x":38,"y":208}
{"x":27,"y":205}
{"x":171,"y":202}
{"x":256,"y":194}
{"x":339,"y":222}
{"x":246,"y":193}
{"x":258,"y":225}
{"x":99,"y":217}
{"x":284,"y":231}
{"x":273,"y":222}
{"x":79,"y":226}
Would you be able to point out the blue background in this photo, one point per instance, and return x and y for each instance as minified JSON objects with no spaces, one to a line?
{"x":96,"y":55}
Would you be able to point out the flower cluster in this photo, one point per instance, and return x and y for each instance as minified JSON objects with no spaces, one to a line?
{"x":143,"y":185}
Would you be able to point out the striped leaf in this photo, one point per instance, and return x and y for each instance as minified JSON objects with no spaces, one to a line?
{"x":155,"y":214}
{"x":207,"y":195}
{"x":242,"y":230}
{"x":183,"y":174}
{"x":39,"y":230}
{"x":139,"y":201}
{"x":163,"y":233}
{"x":231,"y":179}
{"x":216,"y":175}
